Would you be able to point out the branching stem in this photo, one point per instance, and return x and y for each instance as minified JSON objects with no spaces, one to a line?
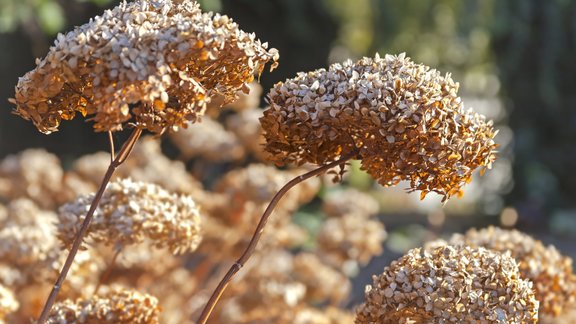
{"x":116,"y":162}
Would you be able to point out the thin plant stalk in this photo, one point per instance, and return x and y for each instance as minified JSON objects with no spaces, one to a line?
{"x":116,"y":162}
{"x":258,"y":233}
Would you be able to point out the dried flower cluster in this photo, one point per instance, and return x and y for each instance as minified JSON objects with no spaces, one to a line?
{"x":404,"y":120}
{"x":8,"y":303}
{"x":208,"y":140}
{"x":33,"y":173}
{"x":450,"y":285}
{"x":116,"y":306}
{"x":351,"y":235}
{"x":154,"y":64}
{"x":551,"y":272}
{"x":131,"y":212}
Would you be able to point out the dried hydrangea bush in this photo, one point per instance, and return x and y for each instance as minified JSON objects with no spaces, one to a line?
{"x":450,"y":284}
{"x":551,"y":272}
{"x":403,"y":120}
{"x":153,"y":64}
{"x":131,"y":212}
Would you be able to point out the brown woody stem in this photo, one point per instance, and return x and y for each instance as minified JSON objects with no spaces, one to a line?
{"x":258,"y":233}
{"x":118,"y":160}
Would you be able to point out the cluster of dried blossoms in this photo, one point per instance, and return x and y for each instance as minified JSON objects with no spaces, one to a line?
{"x":403,"y":120}
{"x":552,"y":274}
{"x":131,"y":212}
{"x":450,"y":284}
{"x":153,"y":64}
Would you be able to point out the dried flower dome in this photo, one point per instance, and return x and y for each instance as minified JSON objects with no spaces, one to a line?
{"x":323,"y":283}
{"x":550,"y":271}
{"x":28,"y":235}
{"x":450,"y":285}
{"x":33,"y":173}
{"x":246,"y":126}
{"x":348,"y":201}
{"x":8,"y":303}
{"x":349,"y":238}
{"x":130,"y":212}
{"x":27,"y":243}
{"x":148,"y":164}
{"x":116,"y":306}
{"x":404,"y":119}
{"x":208,"y":140}
{"x":154,"y":64}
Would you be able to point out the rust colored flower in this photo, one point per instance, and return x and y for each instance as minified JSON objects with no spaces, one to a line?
{"x":153,"y":64}
{"x":404,"y":120}
{"x":450,"y":285}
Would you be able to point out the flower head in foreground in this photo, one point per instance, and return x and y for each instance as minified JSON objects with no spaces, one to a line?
{"x":550,"y":271}
{"x":450,"y":285}
{"x":116,"y":306}
{"x":154,"y":64}
{"x":405,"y":119}
{"x":131,"y":212}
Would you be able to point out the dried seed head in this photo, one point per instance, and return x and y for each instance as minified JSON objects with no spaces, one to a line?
{"x":8,"y":303}
{"x":131,"y":212}
{"x":350,"y":238}
{"x":450,"y":285}
{"x":550,"y":271}
{"x":210,"y":141}
{"x":116,"y":306}
{"x":34,"y":174}
{"x":405,"y":119}
{"x":323,"y":283}
{"x":154,"y":64}
{"x":349,"y":202}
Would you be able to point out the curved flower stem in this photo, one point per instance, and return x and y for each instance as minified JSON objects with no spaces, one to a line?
{"x":258,"y":233}
{"x":118,"y":160}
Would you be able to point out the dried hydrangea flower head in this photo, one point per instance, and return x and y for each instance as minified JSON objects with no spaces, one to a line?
{"x":8,"y":303}
{"x":116,"y":306}
{"x":131,"y":212}
{"x":349,"y":201}
{"x":28,"y":245}
{"x":33,"y":173}
{"x":450,"y":285}
{"x":152,"y":63}
{"x":551,"y":272}
{"x":348,"y":240}
{"x":210,"y":141}
{"x":405,"y":119}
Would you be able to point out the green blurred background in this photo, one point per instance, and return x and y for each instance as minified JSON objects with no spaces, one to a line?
{"x":514,"y":61}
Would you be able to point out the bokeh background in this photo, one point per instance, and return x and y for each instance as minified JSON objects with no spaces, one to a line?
{"x":514,"y":60}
